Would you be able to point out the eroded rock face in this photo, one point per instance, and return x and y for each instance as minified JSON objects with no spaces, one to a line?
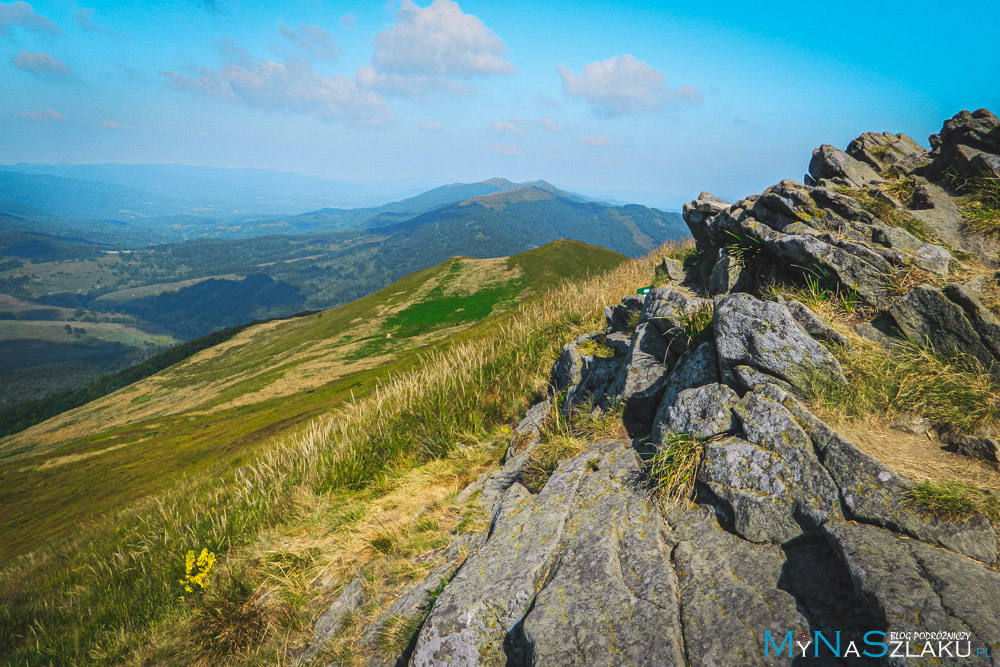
{"x":792,"y":528}
{"x":764,"y":336}
{"x":911,"y":587}
{"x":587,"y":551}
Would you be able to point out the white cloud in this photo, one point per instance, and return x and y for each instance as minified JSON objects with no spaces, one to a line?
{"x":48,"y":114}
{"x":623,"y":85}
{"x":431,"y":127}
{"x":614,"y":164}
{"x":286,"y":86}
{"x":512,"y":126}
{"x":41,"y":63}
{"x":546,"y":101}
{"x":505,"y":149}
{"x":347,"y":21}
{"x":85,"y":22}
{"x":22,"y":15}
{"x":435,"y":47}
{"x":550,"y":124}
{"x":112,"y":125}
{"x":593,"y":139}
{"x":314,"y":40}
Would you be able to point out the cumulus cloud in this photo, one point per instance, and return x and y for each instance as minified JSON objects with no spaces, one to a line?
{"x":316,"y":42}
{"x":22,"y":15}
{"x":85,"y":22}
{"x":292,"y":85}
{"x":347,"y":21}
{"x":593,"y":139}
{"x":41,"y":63}
{"x":111,"y":125}
{"x":436,"y":47}
{"x":48,"y":114}
{"x":505,"y":149}
{"x":431,"y":127}
{"x":614,"y":164}
{"x":550,"y":124}
{"x":623,"y":85}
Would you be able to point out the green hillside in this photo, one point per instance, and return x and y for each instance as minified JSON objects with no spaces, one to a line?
{"x":213,"y":411}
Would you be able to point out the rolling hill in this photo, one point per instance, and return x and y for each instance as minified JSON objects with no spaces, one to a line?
{"x":213,"y":411}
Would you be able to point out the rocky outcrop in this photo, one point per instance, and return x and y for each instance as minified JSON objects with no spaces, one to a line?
{"x":791,"y":529}
{"x":968,"y":146}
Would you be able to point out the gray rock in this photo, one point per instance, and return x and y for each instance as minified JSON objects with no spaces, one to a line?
{"x":832,"y":163}
{"x":559,"y":572}
{"x":535,"y":419}
{"x":643,"y":377}
{"x":984,"y":448}
{"x":851,"y":265}
{"x":941,"y":215}
{"x":729,"y":596}
{"x":612,"y":584}
{"x":703,"y":412}
{"x":764,"y":335}
{"x":412,"y":605}
{"x":964,"y":138}
{"x":566,"y":371}
{"x":668,"y":271}
{"x":912,"y":424}
{"x":584,"y":377}
{"x":619,"y":342}
{"x":926,"y":316}
{"x":882,"y":151}
{"x":812,"y":325}
{"x":746,"y":378}
{"x":618,"y":317}
{"x":728,"y":275}
{"x":697,"y":215}
{"x":911,"y":587}
{"x":807,"y":485}
{"x":330,"y":621}
{"x":984,"y":322}
{"x":873,"y":492}
{"x":696,"y":367}
{"x":754,"y":484}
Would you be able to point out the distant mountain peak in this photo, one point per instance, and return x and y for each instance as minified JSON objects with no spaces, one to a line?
{"x":498,"y":200}
{"x":499,"y":182}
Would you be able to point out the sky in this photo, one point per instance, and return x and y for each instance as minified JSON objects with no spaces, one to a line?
{"x":653,"y":97}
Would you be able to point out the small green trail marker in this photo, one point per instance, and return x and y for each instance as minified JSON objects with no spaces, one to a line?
{"x":642,"y":290}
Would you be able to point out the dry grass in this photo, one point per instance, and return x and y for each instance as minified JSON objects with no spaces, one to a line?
{"x":120,"y":569}
{"x":673,"y":469}
{"x":922,"y":458}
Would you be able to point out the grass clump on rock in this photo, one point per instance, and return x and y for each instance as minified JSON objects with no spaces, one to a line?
{"x":886,"y":212}
{"x":674,"y":468}
{"x":982,"y":208}
{"x":954,"y":501}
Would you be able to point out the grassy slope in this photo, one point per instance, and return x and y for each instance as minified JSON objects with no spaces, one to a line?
{"x":211,"y":411}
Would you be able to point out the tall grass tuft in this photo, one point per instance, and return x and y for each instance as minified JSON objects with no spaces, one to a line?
{"x":96,"y":598}
{"x":673,"y":469}
{"x":954,"y":392}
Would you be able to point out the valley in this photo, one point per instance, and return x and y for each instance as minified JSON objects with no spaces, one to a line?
{"x":183,"y":289}
{"x":213,"y":411}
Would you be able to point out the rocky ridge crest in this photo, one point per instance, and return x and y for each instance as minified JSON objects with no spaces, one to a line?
{"x":793,"y":527}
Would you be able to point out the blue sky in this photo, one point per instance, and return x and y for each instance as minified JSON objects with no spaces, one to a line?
{"x":671,"y":98}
